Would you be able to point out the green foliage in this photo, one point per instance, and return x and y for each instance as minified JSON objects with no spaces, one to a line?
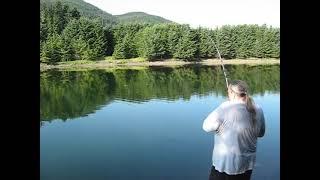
{"x":245,"y":40}
{"x":57,"y":46}
{"x":124,"y":49}
{"x":85,"y":9}
{"x":43,"y":23}
{"x":124,"y":38}
{"x":51,"y":49}
{"x":109,"y":45}
{"x":226,"y":42}
{"x":54,"y":18}
{"x":90,"y":11}
{"x":267,"y":42}
{"x":175,"y":32}
{"x":74,"y":13}
{"x":141,"y":17}
{"x":67,"y":50}
{"x":154,"y":42}
{"x":277,"y":43}
{"x":86,"y":37}
{"x":82,"y":50}
{"x":187,"y":47}
{"x":206,"y":43}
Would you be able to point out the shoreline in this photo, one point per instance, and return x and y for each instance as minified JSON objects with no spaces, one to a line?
{"x":136,"y":62}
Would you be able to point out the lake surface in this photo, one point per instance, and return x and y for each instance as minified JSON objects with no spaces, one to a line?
{"x":146,"y":123}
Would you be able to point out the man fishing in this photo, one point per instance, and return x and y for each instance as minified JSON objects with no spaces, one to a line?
{"x":237,"y":124}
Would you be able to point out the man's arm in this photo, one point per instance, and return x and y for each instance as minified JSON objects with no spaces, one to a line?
{"x":211,"y":123}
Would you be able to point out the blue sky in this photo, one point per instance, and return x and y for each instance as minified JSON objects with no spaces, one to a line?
{"x":204,"y":13}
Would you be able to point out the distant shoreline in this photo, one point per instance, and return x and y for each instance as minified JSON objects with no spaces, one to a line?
{"x":128,"y":63}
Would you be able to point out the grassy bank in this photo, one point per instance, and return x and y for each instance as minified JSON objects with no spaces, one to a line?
{"x":109,"y":62}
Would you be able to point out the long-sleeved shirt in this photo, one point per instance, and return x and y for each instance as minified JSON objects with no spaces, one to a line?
{"x":235,"y":140}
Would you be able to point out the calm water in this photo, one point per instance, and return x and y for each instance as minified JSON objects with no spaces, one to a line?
{"x":146,"y":124}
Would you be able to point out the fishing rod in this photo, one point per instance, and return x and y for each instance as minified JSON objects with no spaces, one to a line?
{"x":224,"y":71}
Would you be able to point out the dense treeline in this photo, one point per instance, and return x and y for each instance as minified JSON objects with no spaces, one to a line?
{"x":86,"y":9}
{"x":70,"y":94}
{"x":66,"y":36}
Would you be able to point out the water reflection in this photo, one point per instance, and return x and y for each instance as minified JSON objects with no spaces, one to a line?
{"x":72,"y":94}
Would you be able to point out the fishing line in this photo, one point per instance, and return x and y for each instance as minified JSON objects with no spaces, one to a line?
{"x":223,"y":69}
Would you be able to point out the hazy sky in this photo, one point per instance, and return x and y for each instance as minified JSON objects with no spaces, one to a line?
{"x":204,"y":13}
